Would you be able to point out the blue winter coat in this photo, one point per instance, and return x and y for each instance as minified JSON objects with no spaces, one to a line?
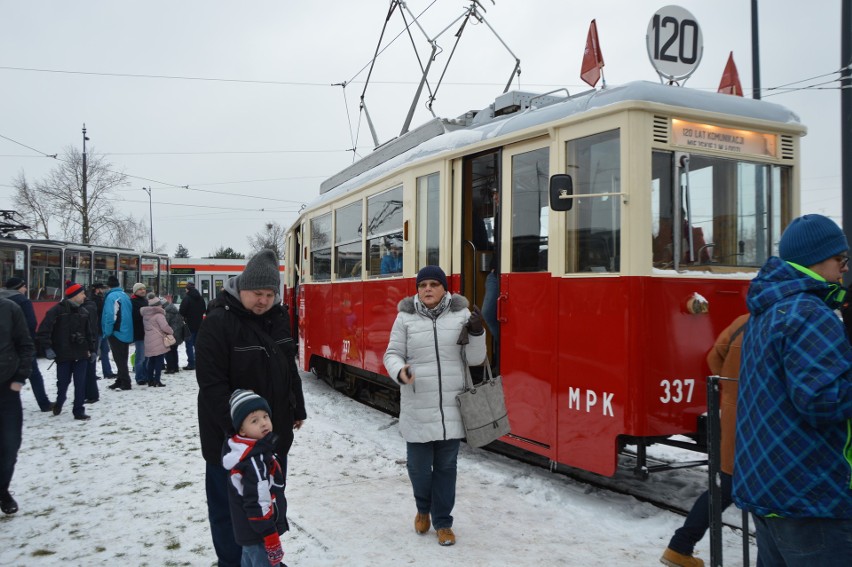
{"x":793,"y":448}
{"x":116,"y":303}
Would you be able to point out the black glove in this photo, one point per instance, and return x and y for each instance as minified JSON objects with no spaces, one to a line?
{"x":474,"y":324}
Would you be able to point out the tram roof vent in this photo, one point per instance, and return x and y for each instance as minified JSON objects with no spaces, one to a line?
{"x":787,"y":147}
{"x":515,"y":101}
{"x":661,"y":129}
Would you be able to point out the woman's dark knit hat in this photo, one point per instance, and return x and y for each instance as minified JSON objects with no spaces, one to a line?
{"x":15,"y":283}
{"x":261,"y":272}
{"x":433,"y":273}
{"x":243,"y":402}
{"x":811,"y":239}
{"x":112,"y":281}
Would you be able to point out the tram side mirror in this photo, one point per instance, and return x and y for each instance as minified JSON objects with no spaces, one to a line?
{"x":561,"y":192}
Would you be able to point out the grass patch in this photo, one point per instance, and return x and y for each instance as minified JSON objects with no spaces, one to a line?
{"x":180,"y":485}
{"x":42,"y":553}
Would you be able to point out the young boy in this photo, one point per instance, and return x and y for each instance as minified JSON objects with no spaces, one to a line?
{"x":256,"y":487}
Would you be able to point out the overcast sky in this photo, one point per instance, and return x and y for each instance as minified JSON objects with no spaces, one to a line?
{"x":249,"y":120}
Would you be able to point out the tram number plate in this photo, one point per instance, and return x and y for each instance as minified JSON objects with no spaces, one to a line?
{"x":677,"y":391}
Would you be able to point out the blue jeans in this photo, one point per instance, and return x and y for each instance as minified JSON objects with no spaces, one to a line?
{"x":489,"y":303}
{"x":432,"y":470}
{"x":803,"y":542}
{"x":65,"y":372}
{"x":190,"y":348}
{"x":37,"y":384}
{"x":254,"y":556}
{"x":698,"y":520}
{"x":11,"y":427}
{"x":105,"y":366}
{"x":219,"y":515}
{"x":139,"y":364}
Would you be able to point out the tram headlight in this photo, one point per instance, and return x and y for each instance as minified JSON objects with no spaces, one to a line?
{"x":697,"y":304}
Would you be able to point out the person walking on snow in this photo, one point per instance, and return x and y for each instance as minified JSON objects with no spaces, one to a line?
{"x":117,"y":327}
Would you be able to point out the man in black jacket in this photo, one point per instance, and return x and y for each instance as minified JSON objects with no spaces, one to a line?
{"x":15,"y":290}
{"x":17,"y":353}
{"x":66,"y":334}
{"x":244,"y":343}
{"x":192,"y":310}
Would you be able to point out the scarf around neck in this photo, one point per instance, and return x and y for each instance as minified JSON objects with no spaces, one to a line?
{"x":434,"y":312}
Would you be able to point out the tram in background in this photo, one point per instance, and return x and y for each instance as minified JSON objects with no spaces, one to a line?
{"x":626,"y":223}
{"x":47,"y":264}
{"x":208,"y":274}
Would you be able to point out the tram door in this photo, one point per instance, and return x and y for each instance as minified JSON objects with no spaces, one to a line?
{"x":480,"y":241}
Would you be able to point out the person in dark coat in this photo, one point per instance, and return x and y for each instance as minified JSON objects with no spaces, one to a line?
{"x":17,"y":353}
{"x":90,"y":303}
{"x":66,"y":335}
{"x":177,"y":324}
{"x":244,"y":343}
{"x":96,"y":294}
{"x":15,"y":290}
{"x":138,"y":300}
{"x":192,"y":310}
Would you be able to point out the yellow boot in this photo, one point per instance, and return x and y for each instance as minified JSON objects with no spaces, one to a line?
{"x":422,"y":523}
{"x":674,"y":559}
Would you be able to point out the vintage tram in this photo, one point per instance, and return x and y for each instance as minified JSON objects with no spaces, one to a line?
{"x":625,"y":225}
{"x":47,"y":264}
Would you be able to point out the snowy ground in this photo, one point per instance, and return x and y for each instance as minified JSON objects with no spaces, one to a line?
{"x":127,"y":488}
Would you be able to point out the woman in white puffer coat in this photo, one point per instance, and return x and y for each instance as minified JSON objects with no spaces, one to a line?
{"x":424,"y":356}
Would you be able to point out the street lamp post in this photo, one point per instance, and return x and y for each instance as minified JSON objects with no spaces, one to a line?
{"x":150,"y":216}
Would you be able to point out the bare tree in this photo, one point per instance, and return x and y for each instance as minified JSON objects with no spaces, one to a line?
{"x":87,"y":216}
{"x":272,"y":237}
{"x":33,"y":211}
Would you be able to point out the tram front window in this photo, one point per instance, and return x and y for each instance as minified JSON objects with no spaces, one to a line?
{"x":732,"y":212}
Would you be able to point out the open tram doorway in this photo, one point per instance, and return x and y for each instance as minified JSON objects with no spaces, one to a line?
{"x":481,"y":241}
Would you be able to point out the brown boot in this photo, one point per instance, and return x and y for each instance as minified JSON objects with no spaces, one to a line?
{"x":674,"y":559}
{"x":422,"y":523}
{"x":446,"y":536}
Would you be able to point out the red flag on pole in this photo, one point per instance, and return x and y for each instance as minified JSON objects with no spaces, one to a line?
{"x":730,"y":83}
{"x":593,"y":60}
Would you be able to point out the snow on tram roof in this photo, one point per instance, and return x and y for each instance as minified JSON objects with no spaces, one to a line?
{"x":442,"y":135}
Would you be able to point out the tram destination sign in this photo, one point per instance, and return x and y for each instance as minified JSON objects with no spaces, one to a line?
{"x":675,"y":43}
{"x":182,"y":271}
{"x":696,"y":136}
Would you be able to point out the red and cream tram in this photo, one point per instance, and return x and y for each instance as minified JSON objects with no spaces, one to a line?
{"x":665,"y":202}
{"x":47,"y":264}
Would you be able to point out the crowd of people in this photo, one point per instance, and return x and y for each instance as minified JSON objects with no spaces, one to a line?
{"x":786,"y":412}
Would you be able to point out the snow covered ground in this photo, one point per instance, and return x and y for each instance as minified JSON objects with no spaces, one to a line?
{"x":127,"y":488}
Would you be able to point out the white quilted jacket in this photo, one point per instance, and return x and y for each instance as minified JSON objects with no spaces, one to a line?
{"x":429,"y":411}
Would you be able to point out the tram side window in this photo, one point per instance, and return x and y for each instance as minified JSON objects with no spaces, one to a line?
{"x":105,"y":266}
{"x":530,"y":210}
{"x":78,"y":267}
{"x":428,"y":220}
{"x":347,"y":241}
{"x":732,"y":213}
{"x":384,"y":233}
{"x":321,"y":248}
{"x":593,"y":239}
{"x":45,"y":281}
{"x":12,"y":263}
{"x":129,"y":268}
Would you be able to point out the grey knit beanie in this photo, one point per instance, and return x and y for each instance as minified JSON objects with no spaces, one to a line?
{"x":261,"y":272}
{"x":243,"y":402}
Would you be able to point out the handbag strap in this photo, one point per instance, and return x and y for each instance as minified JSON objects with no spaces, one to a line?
{"x":468,"y":379}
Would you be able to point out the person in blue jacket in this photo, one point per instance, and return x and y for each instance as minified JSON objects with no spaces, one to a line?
{"x":117,"y":326}
{"x":793,"y":454}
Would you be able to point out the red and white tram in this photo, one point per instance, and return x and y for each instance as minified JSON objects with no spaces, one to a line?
{"x":666,"y":201}
{"x":208,"y":274}
{"x":47,"y":264}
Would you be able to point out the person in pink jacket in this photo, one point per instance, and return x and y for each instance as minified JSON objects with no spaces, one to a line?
{"x":156,"y":329}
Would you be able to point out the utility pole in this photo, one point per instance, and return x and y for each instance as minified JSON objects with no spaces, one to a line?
{"x":846,"y":119}
{"x":755,"y":53}
{"x":85,"y":195}
{"x":150,"y":216}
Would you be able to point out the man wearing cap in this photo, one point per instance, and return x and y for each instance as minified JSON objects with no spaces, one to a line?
{"x":192,"y":310}
{"x":117,"y":327}
{"x":244,"y":343}
{"x":138,"y":300}
{"x":15,"y":290}
{"x":792,"y":459}
{"x":67,"y":336}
